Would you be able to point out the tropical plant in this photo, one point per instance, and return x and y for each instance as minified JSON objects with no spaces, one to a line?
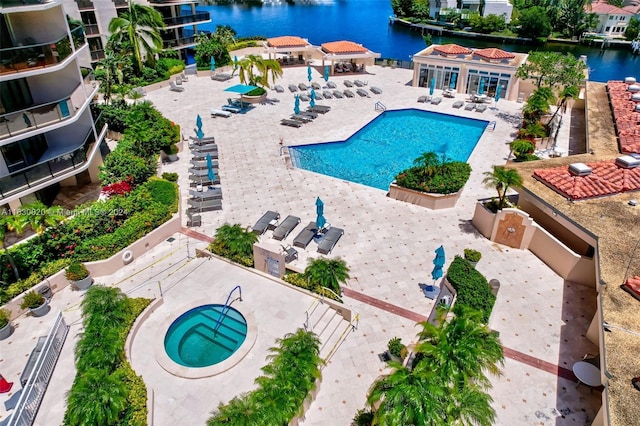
{"x":472,"y":287}
{"x":76,"y":271}
{"x":472,"y":255}
{"x":4,"y":225}
{"x":431,"y":174}
{"x":5,"y":316}
{"x":363,"y":418}
{"x":570,"y":92}
{"x":502,"y":179}
{"x":97,"y":398}
{"x":32,"y":300}
{"x":534,"y":22}
{"x":328,"y":273}
{"x":258,"y":71}
{"x":395,"y":347}
{"x":140,"y":26}
{"x":521,"y":147}
{"x":235,"y":243}
{"x":171,"y":177}
{"x":552,"y":68}
{"x":633,"y":29}
{"x":40,"y":217}
{"x":533,"y":130}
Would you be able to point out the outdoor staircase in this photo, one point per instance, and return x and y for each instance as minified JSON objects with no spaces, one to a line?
{"x":330,"y":327}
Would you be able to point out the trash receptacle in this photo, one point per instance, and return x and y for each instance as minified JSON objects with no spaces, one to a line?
{"x":45,"y":291}
{"x":495,"y":286}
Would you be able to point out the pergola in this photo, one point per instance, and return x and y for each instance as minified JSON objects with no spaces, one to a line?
{"x":288,"y":45}
{"x":346,"y":52}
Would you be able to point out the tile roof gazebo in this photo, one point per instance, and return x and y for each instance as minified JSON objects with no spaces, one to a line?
{"x":288,"y":45}
{"x":346,"y":51}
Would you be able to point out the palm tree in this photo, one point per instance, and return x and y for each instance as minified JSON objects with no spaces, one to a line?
{"x":97,"y":398}
{"x":234,"y":242}
{"x":40,"y":217}
{"x":255,"y":70}
{"x":566,"y":93}
{"x":140,"y":26}
{"x":328,"y":273}
{"x":502,"y":179}
{"x":429,"y":161}
{"x":237,"y":412}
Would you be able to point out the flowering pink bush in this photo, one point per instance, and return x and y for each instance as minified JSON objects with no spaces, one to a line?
{"x":118,"y":188}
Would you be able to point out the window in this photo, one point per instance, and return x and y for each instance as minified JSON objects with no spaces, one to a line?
{"x":606,"y":30}
{"x":444,"y":77}
{"x":483,"y":82}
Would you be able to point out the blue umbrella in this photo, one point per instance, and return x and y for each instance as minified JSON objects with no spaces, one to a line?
{"x":498,"y":90}
{"x":199,"y":122}
{"x":199,"y":133}
{"x":309,"y":76}
{"x":437,"y":272}
{"x":481,"y":87}
{"x":213,"y":64}
{"x":320,"y":220}
{"x":210,"y":173}
{"x":440,"y":258}
{"x":432,"y":86}
{"x":296,"y":105}
{"x":312,"y":102}
{"x":454,"y":78}
{"x":326,"y":73}
{"x":235,"y":62}
{"x":313,"y":94}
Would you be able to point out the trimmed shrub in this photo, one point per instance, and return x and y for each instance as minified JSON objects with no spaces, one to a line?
{"x":171,"y":177}
{"x":429,"y":174}
{"x":32,"y":300}
{"x":472,"y":255}
{"x":472,"y":287}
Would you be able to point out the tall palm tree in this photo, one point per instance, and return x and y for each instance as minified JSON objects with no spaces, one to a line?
{"x":140,"y":26}
{"x":502,"y":179}
{"x":97,"y":398}
{"x":256,"y":70}
{"x":328,"y":273}
{"x":570,"y":92}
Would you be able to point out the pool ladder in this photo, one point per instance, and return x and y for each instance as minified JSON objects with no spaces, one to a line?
{"x":491,"y":126}
{"x":226,"y":307}
{"x":380,"y":107}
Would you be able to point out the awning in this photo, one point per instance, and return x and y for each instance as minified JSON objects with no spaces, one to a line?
{"x":240,"y":88}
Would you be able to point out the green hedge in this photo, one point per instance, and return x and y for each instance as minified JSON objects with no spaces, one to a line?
{"x":442,"y":178}
{"x":299,"y":280}
{"x":472,"y":287}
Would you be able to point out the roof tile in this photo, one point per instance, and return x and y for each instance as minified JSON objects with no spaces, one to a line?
{"x":452,"y":49}
{"x":493,"y":53}
{"x":343,"y":47}
{"x":287,"y":41}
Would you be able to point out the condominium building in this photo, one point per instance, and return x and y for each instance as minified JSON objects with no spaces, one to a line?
{"x":48,"y":133}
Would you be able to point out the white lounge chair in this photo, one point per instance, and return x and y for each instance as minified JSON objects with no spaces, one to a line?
{"x":220,"y":113}
{"x":173,"y":87}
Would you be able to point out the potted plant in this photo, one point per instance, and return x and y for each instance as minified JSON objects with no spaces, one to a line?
{"x":78,"y":275}
{"x":35,"y":302}
{"x":397,"y":351}
{"x":472,"y":256}
{"x":5,"y":324}
{"x":172,"y":152}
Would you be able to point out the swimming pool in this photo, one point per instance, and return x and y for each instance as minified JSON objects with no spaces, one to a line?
{"x":388,"y":144}
{"x":192,"y":342}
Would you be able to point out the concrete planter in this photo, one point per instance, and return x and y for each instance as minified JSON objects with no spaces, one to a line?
{"x":254,"y":99}
{"x":5,"y":331}
{"x":83,"y":284}
{"x":424,"y":199}
{"x":40,"y":310}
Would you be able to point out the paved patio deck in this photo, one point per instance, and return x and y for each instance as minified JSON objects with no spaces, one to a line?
{"x":389,"y":246}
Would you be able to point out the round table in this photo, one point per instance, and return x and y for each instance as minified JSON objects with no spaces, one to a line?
{"x":587,"y":373}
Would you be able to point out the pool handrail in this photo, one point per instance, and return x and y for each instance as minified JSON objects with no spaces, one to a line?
{"x":226,"y":307}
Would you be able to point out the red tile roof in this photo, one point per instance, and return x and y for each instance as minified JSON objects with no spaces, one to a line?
{"x":343,"y":47}
{"x":452,"y":49}
{"x":493,"y":53}
{"x":606,"y":178}
{"x":602,"y":8}
{"x":287,"y":41}
{"x":625,"y":116}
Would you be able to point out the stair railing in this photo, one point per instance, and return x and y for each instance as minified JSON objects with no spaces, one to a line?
{"x":227,"y":306}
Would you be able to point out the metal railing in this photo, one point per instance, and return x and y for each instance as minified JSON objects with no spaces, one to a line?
{"x":46,"y":170}
{"x":33,"y":392}
{"x":187,"y":19}
{"x":97,"y":55}
{"x":16,"y":59}
{"x":226,"y":307}
{"x":380,"y":107}
{"x":184,"y":41}
{"x":91,"y":29}
{"x":13,"y":3}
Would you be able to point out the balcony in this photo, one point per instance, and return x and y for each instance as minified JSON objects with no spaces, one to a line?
{"x":179,"y":43}
{"x":39,"y":116}
{"x":14,"y":3}
{"x":97,"y":55}
{"x":61,"y":166}
{"x":91,"y":30}
{"x":85,"y":5}
{"x":41,"y":55}
{"x":121,"y":3}
{"x":187,"y":19}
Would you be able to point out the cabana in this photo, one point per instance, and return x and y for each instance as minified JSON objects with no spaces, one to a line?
{"x":347,"y":56}
{"x":293,"y":50}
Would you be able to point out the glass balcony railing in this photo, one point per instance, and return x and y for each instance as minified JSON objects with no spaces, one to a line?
{"x":187,"y":19}
{"x":16,"y":59}
{"x":91,"y":29}
{"x":97,"y":55}
{"x":46,"y":170}
{"x":185,"y":41}
{"x":39,"y":116}
{"x":13,"y":3}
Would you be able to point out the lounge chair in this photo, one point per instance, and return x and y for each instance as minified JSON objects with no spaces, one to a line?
{"x":207,"y":140}
{"x":301,"y":118}
{"x":329,"y":240}
{"x":199,"y":146}
{"x":193,"y":219}
{"x":318,"y":96}
{"x":348,"y":83}
{"x":327,"y":94}
{"x":184,"y":77}
{"x":285,"y":227}
{"x":338,"y":94}
{"x":179,"y":81}
{"x":197,"y":181}
{"x":322,"y":109}
{"x":231,"y":108}
{"x":220,"y":113}
{"x":221,"y":77}
{"x":359,"y":83}
{"x":267,"y":221}
{"x":481,"y":108}
{"x":363,"y":93}
{"x":293,"y":88}
{"x":316,"y":86}
{"x":303,"y":86}
{"x":304,"y":97}
{"x":201,"y":173}
{"x":458,"y":104}
{"x":375,"y":90}
{"x":309,"y":114}
{"x":349,"y":94}
{"x":290,"y":123}
{"x":290,"y":254}
{"x":202,"y":164}
{"x":173,"y":87}
{"x":424,"y":98}
{"x":205,"y":149}
{"x":278,"y":88}
{"x":209,"y":194}
{"x":469,"y":106}
{"x":204,"y":206}
{"x":436,"y":100}
{"x":331,"y":85}
{"x":306,"y":235}
{"x":197,"y":155}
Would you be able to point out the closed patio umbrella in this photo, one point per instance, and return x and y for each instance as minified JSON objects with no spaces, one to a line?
{"x":210,"y":173}
{"x":309,"y":75}
{"x":296,"y":105}
{"x":326,"y":73}
{"x":454,"y":79}
{"x":498,"y":90}
{"x":312,"y":102}
{"x":481,"y":87}
{"x":199,"y":133}
{"x":199,"y":122}
{"x":213,"y":64}
{"x":320,"y":220}
{"x":432,"y":86}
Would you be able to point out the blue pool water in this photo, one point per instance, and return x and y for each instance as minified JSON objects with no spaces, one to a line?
{"x":191,"y":341}
{"x":375,"y":154}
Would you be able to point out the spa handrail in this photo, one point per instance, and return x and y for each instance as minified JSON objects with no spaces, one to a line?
{"x":226,"y":307}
